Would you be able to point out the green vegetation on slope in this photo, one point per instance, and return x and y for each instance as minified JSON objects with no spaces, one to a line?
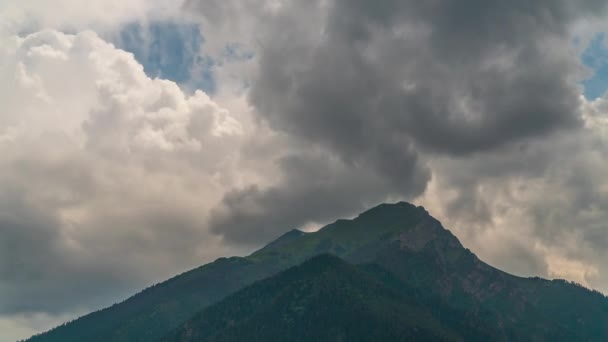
{"x":153,"y":312}
{"x":157,"y":310}
{"x":324,"y":299}
{"x":403,"y":241}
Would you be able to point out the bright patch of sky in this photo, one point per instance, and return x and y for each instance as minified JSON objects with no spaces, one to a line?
{"x":596,"y":58}
{"x":169,"y":50}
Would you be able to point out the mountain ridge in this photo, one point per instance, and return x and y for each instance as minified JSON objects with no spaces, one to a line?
{"x":403,"y":239}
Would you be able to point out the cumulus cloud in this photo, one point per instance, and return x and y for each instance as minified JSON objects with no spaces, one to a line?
{"x":106,"y":173}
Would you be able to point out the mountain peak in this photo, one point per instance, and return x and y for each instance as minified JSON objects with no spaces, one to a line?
{"x":399,"y":224}
{"x":400,"y":212}
{"x":389,"y":207}
{"x":381,"y":218}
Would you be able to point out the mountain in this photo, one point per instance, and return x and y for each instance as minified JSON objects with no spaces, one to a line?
{"x":324,"y":299}
{"x":407,"y":248}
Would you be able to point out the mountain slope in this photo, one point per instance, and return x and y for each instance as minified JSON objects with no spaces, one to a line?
{"x":403,"y":241}
{"x":153,"y":312}
{"x":324,"y":299}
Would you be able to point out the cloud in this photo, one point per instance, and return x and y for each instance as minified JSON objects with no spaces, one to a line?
{"x":106,"y":174}
{"x":473,"y":93}
{"x":450,"y":77}
{"x":547,"y":198}
{"x":74,"y":15}
{"x":232,"y":23}
{"x":24,"y":326}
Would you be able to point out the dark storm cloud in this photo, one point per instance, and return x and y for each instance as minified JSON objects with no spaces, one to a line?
{"x":316,"y":189}
{"x":454,"y":77}
{"x":385,"y":85}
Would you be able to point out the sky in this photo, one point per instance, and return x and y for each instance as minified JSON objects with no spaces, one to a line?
{"x":142,"y":138}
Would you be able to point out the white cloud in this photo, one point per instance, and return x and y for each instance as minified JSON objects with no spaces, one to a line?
{"x":100,"y":15}
{"x":107,"y":175}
